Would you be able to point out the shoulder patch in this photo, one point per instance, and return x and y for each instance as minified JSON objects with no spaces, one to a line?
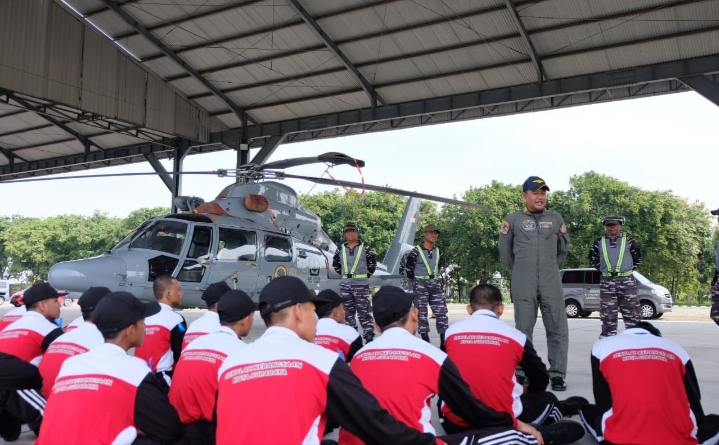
{"x":563,"y":228}
{"x":505,"y":227}
{"x":528,"y":225}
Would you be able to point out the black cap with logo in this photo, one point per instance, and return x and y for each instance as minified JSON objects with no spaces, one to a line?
{"x":390,"y":304}
{"x":234,"y":306}
{"x":119,"y":310}
{"x":39,"y":292}
{"x":534,"y":183}
{"x":283,"y":292}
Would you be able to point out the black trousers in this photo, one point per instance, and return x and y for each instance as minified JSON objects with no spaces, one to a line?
{"x":19,"y":407}
{"x":198,"y":433}
{"x":495,"y":435}
{"x":707,"y":430}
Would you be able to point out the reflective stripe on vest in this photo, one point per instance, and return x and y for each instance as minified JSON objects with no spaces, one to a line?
{"x":426,"y":264}
{"x":615,"y":271}
{"x":360,"y":251}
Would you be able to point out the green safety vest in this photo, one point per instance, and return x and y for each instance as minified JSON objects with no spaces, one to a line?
{"x":614,"y":271}
{"x":351,"y":274}
{"x":426,"y":264}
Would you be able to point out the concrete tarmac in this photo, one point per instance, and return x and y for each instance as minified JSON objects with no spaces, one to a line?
{"x":694,"y":332}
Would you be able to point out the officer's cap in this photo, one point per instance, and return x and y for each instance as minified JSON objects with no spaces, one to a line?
{"x":390,"y":304}
{"x":534,"y":183}
{"x":714,"y":212}
{"x":431,"y":228}
{"x":39,"y":292}
{"x":214,"y":292}
{"x":349,"y":226}
{"x":283,"y":292}
{"x":119,"y":310}
{"x":90,"y":298}
{"x":613,"y":218}
{"x":332,"y":300}
{"x":235,"y":305}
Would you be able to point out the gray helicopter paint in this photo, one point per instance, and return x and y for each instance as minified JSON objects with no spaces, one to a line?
{"x":308,"y":254}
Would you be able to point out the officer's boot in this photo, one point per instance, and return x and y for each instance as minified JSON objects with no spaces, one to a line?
{"x":425,"y":337}
{"x":441,"y":343}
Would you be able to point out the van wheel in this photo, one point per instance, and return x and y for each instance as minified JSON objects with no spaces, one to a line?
{"x":647,"y":309}
{"x":2,"y":300}
{"x":585,"y":314}
{"x":572,"y":308}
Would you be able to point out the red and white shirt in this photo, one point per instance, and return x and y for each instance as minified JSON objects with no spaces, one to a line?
{"x":405,"y":372}
{"x":301,"y":383}
{"x":12,"y":316}
{"x":75,"y":324}
{"x":209,"y":322}
{"x":112,"y":395}
{"x":338,"y":338}
{"x":486,"y":349}
{"x":164,"y":332}
{"x":29,"y":337}
{"x":194,"y":382}
{"x":669,"y":415}
{"x":70,"y":344}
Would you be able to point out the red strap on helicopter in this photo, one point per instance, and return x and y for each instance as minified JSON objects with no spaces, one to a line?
{"x":350,"y":191}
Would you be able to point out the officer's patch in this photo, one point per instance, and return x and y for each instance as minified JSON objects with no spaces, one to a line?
{"x":545,"y":224}
{"x":563,"y":228}
{"x":528,"y":225}
{"x":505,"y":228}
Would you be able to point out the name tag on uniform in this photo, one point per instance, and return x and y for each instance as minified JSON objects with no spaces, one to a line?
{"x":545,"y":224}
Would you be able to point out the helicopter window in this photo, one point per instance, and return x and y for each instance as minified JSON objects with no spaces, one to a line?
{"x":277,"y":248}
{"x":237,"y":245}
{"x":163,"y":235}
{"x":201,"y":241}
{"x":126,"y":240}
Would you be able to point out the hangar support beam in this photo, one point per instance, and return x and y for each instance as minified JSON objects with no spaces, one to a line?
{"x":532,"y":52}
{"x":183,"y":147}
{"x":266,"y":151}
{"x":164,"y":175}
{"x":704,"y":86}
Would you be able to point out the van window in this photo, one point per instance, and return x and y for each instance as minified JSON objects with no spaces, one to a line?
{"x":3,"y":284}
{"x":573,"y":277}
{"x":278,"y":248}
{"x":593,"y":276}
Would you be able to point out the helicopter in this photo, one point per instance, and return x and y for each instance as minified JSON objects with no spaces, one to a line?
{"x":254,"y":230}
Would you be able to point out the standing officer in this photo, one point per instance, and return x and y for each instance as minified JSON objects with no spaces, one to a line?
{"x":114,"y":397}
{"x":423,"y":267}
{"x":210,"y":321}
{"x":356,"y":262}
{"x":165,"y":330}
{"x":533,"y":245}
{"x":714,"y":312}
{"x":22,"y":345}
{"x":616,"y":256}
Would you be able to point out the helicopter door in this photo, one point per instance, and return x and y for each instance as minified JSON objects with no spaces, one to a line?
{"x":236,"y":261}
{"x":277,"y":256}
{"x":195,"y":261}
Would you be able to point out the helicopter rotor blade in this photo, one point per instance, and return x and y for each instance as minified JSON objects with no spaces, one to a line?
{"x":377,"y":188}
{"x":333,"y":158}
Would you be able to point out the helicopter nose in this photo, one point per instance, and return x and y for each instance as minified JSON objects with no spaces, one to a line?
{"x":80,"y":275}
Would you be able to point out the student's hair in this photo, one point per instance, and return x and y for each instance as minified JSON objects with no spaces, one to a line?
{"x":402,"y":322}
{"x":87,"y":316}
{"x":327,"y":314}
{"x":161,"y":285}
{"x":485,"y":296}
{"x":274,"y":318}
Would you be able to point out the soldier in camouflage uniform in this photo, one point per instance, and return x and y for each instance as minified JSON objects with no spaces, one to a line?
{"x":714,"y":313}
{"x":356,"y":262}
{"x":423,"y":270}
{"x":616,"y":256}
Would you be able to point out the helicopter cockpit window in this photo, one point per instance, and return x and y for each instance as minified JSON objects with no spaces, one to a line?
{"x":277,"y":248}
{"x":237,"y":245}
{"x":126,"y":240}
{"x":163,"y":235}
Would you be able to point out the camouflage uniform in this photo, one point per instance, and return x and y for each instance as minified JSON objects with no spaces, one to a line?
{"x":356,"y":265}
{"x":714,"y":313}
{"x":427,"y":287}
{"x":617,"y":287}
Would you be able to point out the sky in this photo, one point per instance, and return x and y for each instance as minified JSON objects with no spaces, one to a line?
{"x":658,"y":143}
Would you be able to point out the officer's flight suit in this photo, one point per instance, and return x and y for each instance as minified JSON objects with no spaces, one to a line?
{"x":533,"y":247}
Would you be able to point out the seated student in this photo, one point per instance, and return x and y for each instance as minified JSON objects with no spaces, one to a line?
{"x":297,"y":383}
{"x":113,"y":397}
{"x":332,"y":332}
{"x":209,"y":322}
{"x":405,"y":373}
{"x":624,"y":414}
{"x":88,"y":297}
{"x":165,"y":330}
{"x":76,"y":341}
{"x":194,"y":382}
{"x":22,"y":345}
{"x":487,"y":349}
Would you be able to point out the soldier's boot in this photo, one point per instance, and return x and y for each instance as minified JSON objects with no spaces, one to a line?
{"x":441,"y":343}
{"x":425,"y":337}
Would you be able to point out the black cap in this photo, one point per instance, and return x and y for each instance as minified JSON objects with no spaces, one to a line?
{"x":214,"y":292}
{"x":331,"y":301}
{"x":647,"y":327}
{"x":283,"y":292}
{"x":390,"y":304}
{"x":119,"y":310}
{"x":613,"y":218}
{"x":89,"y":299}
{"x":349,"y":225}
{"x":39,"y":292}
{"x":534,"y":183}
{"x":234,"y":306}
{"x":714,"y":212}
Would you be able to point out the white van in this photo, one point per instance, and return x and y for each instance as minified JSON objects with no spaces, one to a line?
{"x":4,"y":291}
